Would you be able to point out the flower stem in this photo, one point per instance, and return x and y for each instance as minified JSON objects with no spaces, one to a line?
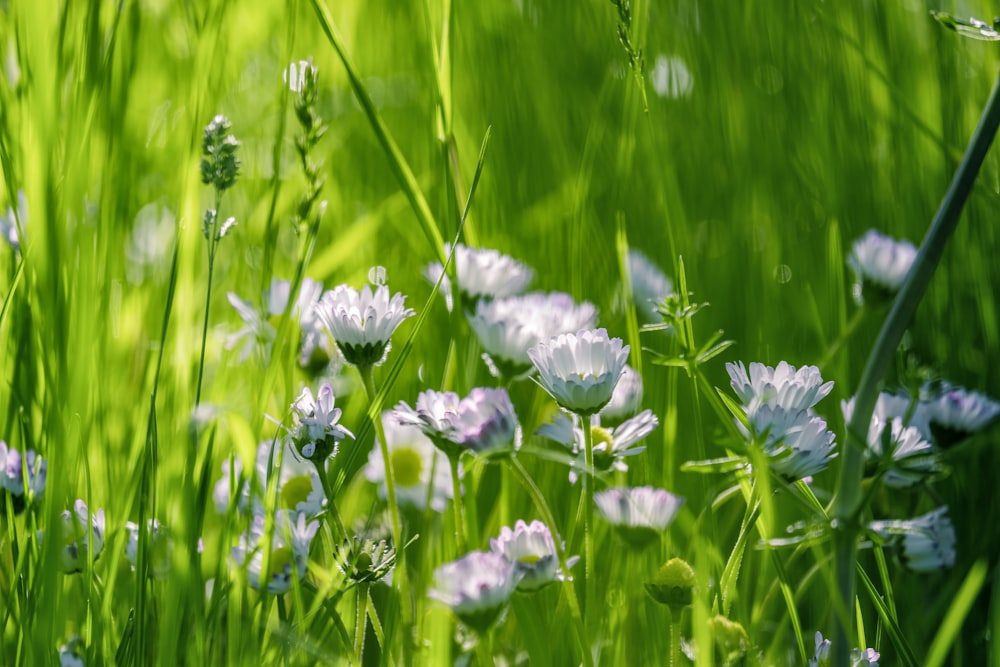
{"x":590,"y":582}
{"x":675,"y":636}
{"x":361,"y":622}
{"x":331,"y":505}
{"x":213,"y":243}
{"x":456,"y":485}
{"x":847,"y":503}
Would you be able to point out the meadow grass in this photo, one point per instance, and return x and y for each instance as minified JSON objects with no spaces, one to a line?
{"x":775,"y":135}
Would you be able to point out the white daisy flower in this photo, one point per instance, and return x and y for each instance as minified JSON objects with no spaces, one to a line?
{"x":580,"y":370}
{"x":955,"y":413}
{"x":650,"y":286}
{"x":482,"y":422}
{"x":508,"y":327}
{"x":316,"y":432}
{"x":160,"y":546}
{"x":483,"y":273}
{"x":73,"y":653}
{"x":782,"y":386}
{"x":299,"y":486}
{"x":611,"y":445}
{"x":797,"y":442}
{"x":421,"y":474}
{"x":8,"y":222}
{"x":259,"y":323}
{"x":881,"y":263}
{"x":627,"y":397}
{"x":638,"y":514}
{"x":889,"y":406}
{"x":821,"y":655}
{"x":288,"y":555}
{"x":476,"y":587}
{"x":533,"y":551}
{"x":914,"y":458}
{"x":363,"y":322}
{"x":15,"y":469}
{"x":928,"y":540}
{"x":75,"y":537}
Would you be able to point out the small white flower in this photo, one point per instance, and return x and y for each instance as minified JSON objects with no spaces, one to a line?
{"x":363,"y":322}
{"x":531,"y":548}
{"x":914,"y":458}
{"x":650,"y":286}
{"x":956,"y":413}
{"x":482,"y":422}
{"x":8,"y":222}
{"x":508,"y":327}
{"x":160,"y":546}
{"x":14,"y":469}
{"x":639,"y":514}
{"x":821,"y":656}
{"x":611,"y":445}
{"x":421,"y":474}
{"x":299,"y":486}
{"x":258,"y":324}
{"x":73,"y":653}
{"x":74,"y":536}
{"x":867,"y":658}
{"x":580,"y":370}
{"x":483,"y":273}
{"x":288,"y":555}
{"x":928,"y":540}
{"x":627,"y":397}
{"x":782,"y":386}
{"x":797,"y":442}
{"x":880,"y":261}
{"x":316,"y":432}
{"x":476,"y":587}
{"x":295,"y":74}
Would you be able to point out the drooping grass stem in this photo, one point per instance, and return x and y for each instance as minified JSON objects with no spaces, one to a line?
{"x":847,"y":503}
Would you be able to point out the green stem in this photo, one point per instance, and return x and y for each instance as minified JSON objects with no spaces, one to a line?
{"x":213,"y":243}
{"x":456,"y":485}
{"x":331,"y":505}
{"x":675,"y":636}
{"x":368,"y":379}
{"x":361,"y":622}
{"x":590,"y":581}
{"x":846,"y":504}
{"x":550,"y":521}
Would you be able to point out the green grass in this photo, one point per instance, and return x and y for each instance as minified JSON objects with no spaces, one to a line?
{"x":805,"y":125}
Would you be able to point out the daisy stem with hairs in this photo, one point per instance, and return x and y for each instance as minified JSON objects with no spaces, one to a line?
{"x":331,"y":505}
{"x":847,"y":502}
{"x":456,"y":504}
{"x":550,"y":521}
{"x":590,"y":583}
{"x":361,"y":622}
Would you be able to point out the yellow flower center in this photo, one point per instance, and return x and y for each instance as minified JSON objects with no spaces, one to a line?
{"x":296,"y":490}
{"x":407,"y":464}
{"x":602,"y":436}
{"x":281,"y":558}
{"x":529,"y":559}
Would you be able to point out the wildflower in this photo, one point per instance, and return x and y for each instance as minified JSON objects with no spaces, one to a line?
{"x":639,"y":514}
{"x":295,"y":74}
{"x":299,"y":486}
{"x":627,"y":396}
{"x":580,"y":370}
{"x":889,"y":406}
{"x":611,"y":445}
{"x":316,"y":432}
{"x":160,"y":546}
{"x":650,"y":286}
{"x":15,"y":470}
{"x":782,"y":386}
{"x":364,"y":560}
{"x":363,"y":322}
{"x":533,"y":551}
{"x":75,"y":536}
{"x":731,"y":639}
{"x":508,"y":327}
{"x":821,"y":655}
{"x":288,"y":555}
{"x":797,"y":442}
{"x":219,"y":166}
{"x":928,"y":540}
{"x":9,"y":222}
{"x":956,"y":413}
{"x":476,"y":587}
{"x":483,"y":422}
{"x":420,"y":475}
{"x":482,"y":273}
{"x":673,"y":584}
{"x":73,"y":653}
{"x":910,"y":457}
{"x":259,"y":324}
{"x":880,"y":264}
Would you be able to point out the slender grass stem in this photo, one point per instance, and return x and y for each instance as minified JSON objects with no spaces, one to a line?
{"x":213,"y":243}
{"x":846,"y":505}
{"x":456,"y":485}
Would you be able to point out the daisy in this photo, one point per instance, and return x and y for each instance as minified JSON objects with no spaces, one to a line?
{"x":928,"y":540}
{"x":782,"y":386}
{"x":611,"y":445}
{"x":533,"y":551}
{"x":508,"y":327}
{"x":580,"y":370}
{"x":627,"y":396}
{"x":650,"y":286}
{"x":8,"y":222}
{"x":476,"y":587}
{"x":73,"y":653}
{"x":797,"y":442}
{"x":288,"y":554}
{"x":75,"y":536}
{"x":880,"y":263}
{"x":299,"y":487}
{"x":160,"y":546}
{"x":638,"y":514}
{"x":956,"y":413}
{"x":259,"y":323}
{"x":821,"y":655}
{"x":911,"y":456}
{"x":316,"y":433}
{"x":484,"y":422}
{"x":15,"y":470}
{"x":482,"y":273}
{"x":420,"y":474}
{"x":363,"y":322}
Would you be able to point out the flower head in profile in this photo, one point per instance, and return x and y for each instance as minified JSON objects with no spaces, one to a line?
{"x":781,"y":386}
{"x":259,"y":323}
{"x":484,"y":422}
{"x":928,"y":540}
{"x":9,"y":222}
{"x":75,"y":531}
{"x":638,"y":514}
{"x":288,"y":555}
{"x":363,"y":322}
{"x":299,"y":487}
{"x":73,"y":653}
{"x":797,"y":442}
{"x":955,"y":413}
{"x":158,"y":553}
{"x":476,"y":587}
{"x":316,"y":431}
{"x":508,"y":327}
{"x":22,"y":477}
{"x":650,"y":285}
{"x":904,"y":453}
{"x":611,"y":445}
{"x":580,"y":371}
{"x":880,"y":264}
{"x":483,"y":273}
{"x":419,"y":471}
{"x":626,"y":400}
{"x":533,"y":551}
{"x":821,"y":655}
